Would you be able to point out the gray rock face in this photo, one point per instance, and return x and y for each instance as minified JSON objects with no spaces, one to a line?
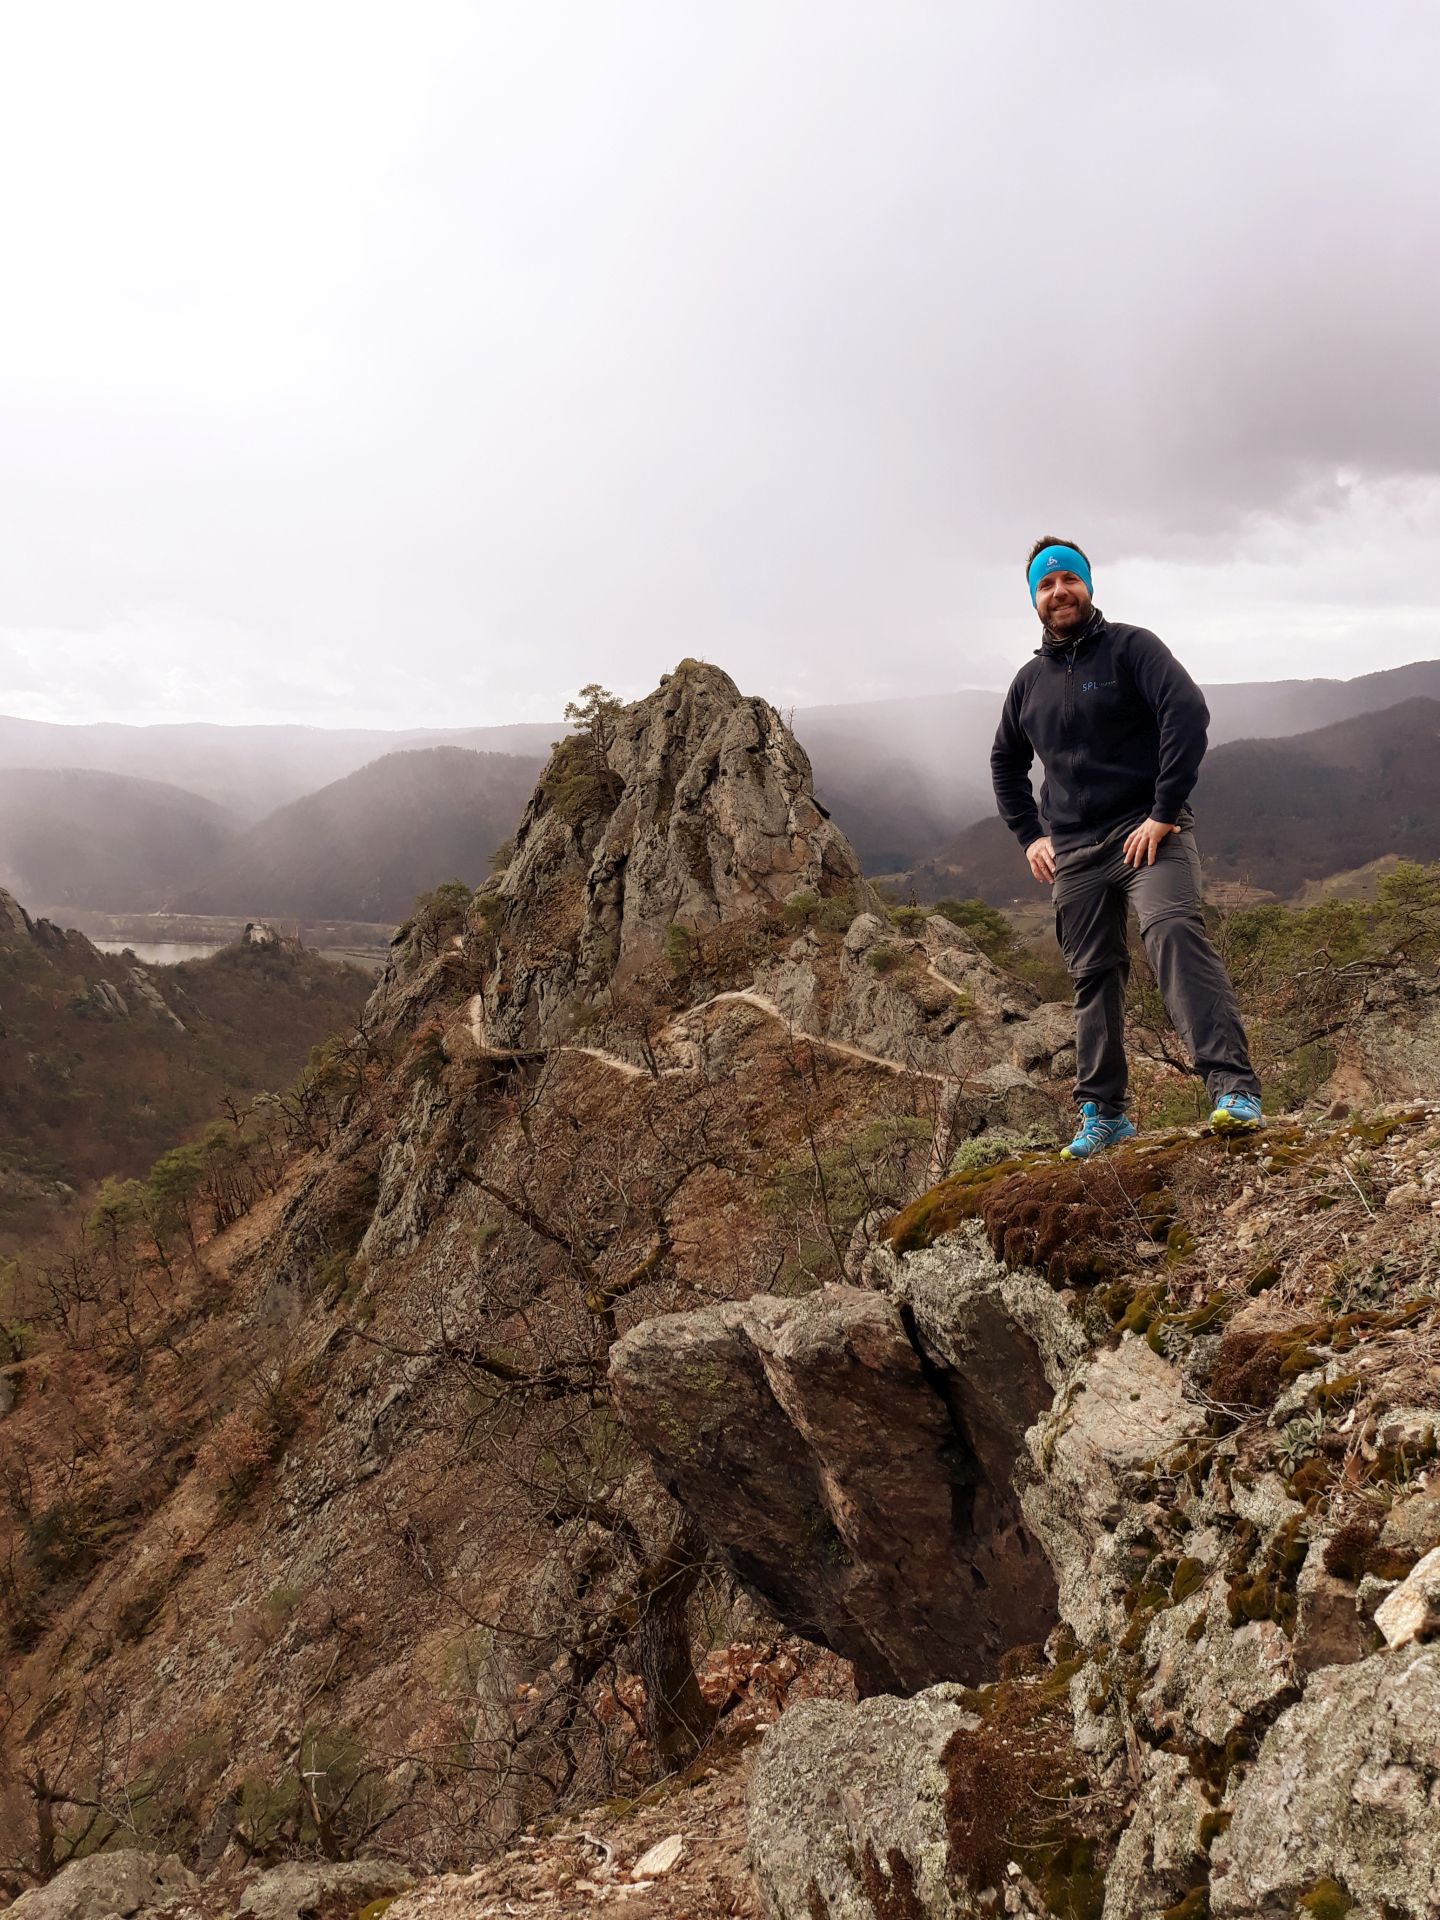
{"x":932,"y":1001}
{"x":862,"y":1489}
{"x":846,"y":1810}
{"x":1412,"y":1612}
{"x":1414,"y":1523}
{"x":302,"y":1888}
{"x":702,"y":809}
{"x":152,"y":998}
{"x":1127,"y":1408}
{"x":308,"y":1888}
{"x":1346,"y":1787}
{"x":125,"y":1882}
{"x":1206,"y":1686}
{"x":1153,"y":1862}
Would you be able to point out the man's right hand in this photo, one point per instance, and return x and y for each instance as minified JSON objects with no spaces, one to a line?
{"x":1041,"y":856}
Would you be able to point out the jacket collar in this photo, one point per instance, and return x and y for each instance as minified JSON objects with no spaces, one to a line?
{"x":1054,"y":646}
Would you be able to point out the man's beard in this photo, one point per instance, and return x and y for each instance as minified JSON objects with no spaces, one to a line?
{"x":1069,"y":622}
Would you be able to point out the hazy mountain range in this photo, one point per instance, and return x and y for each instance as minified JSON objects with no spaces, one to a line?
{"x":354,"y":849}
{"x":296,"y":820}
{"x":1272,"y":813}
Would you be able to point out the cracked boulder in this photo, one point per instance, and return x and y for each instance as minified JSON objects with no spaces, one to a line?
{"x":859,"y":1484}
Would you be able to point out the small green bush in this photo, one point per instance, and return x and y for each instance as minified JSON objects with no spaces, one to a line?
{"x":885,"y":958}
{"x":836,"y":914}
{"x":988,"y":1149}
{"x":680,"y":945}
{"x":986,"y":926}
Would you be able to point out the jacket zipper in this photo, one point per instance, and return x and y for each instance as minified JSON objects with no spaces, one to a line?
{"x":1070,"y":715}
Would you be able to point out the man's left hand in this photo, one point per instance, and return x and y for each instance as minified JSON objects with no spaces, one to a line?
{"x":1142,"y":845}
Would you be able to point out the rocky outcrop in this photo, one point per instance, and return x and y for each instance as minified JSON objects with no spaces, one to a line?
{"x":150,"y":997}
{"x":1127,"y":1407}
{"x":17,"y":929}
{"x":699,"y":809}
{"x":1412,"y":1611}
{"x":932,"y":1001}
{"x":847,"y":1810}
{"x":123,"y":1883}
{"x":1240,"y":1704}
{"x":300,"y":1889}
{"x":1346,"y":1789}
{"x":853,"y":1455}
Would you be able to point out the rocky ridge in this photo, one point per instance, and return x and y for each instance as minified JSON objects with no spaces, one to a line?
{"x":105,"y":1062}
{"x":1226,"y":1471}
{"x":623,"y":1174}
{"x":674,"y":1049}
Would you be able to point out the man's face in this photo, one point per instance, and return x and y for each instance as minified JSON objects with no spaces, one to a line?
{"x":1062,"y":602}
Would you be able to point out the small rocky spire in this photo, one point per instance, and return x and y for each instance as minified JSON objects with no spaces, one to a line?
{"x":700,"y":810}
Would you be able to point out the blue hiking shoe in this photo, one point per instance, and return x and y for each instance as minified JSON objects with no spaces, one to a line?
{"x":1237,"y":1113}
{"x":1097,"y":1132}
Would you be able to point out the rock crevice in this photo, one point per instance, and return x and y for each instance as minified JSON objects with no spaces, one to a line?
{"x":859,"y":1476}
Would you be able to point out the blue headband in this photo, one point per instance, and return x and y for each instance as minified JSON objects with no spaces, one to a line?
{"x":1057,"y":560}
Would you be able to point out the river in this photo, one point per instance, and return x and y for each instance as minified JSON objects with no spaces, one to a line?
{"x":162,"y":953}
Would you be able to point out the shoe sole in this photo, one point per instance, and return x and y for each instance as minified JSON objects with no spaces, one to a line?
{"x":1222,"y":1121}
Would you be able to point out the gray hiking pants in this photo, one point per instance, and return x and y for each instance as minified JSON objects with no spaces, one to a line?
{"x":1093,"y":891}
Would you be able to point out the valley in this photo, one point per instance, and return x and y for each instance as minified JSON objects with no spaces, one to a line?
{"x":650,"y":1358}
{"x":572,"y":1381}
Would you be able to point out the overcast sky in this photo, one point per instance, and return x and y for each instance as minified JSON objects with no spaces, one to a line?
{"x":414,"y":363}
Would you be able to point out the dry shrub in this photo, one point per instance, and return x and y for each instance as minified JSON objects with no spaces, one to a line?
{"x":1252,"y":1366}
{"x":1355,"y":1551}
{"x":237,"y":1453}
{"x":1006,"y":1797}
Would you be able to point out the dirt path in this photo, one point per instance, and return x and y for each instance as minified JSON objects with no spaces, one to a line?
{"x":675,"y":1027}
{"x":590,"y":1864}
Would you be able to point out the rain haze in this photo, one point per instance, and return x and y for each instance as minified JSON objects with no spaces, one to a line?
{"x":412,"y":366}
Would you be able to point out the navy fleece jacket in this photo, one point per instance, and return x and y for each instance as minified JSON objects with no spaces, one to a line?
{"x":1119,"y":726}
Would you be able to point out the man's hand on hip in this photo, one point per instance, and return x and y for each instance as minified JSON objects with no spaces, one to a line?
{"x":1143,"y":843}
{"x":1041,"y":856}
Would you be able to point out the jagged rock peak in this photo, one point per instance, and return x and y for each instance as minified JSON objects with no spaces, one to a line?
{"x":690,"y":807}
{"x":17,"y":928}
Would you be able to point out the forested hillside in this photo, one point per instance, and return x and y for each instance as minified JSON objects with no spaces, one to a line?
{"x":362,"y":848}
{"x":104,"y":840}
{"x":104,"y":1063}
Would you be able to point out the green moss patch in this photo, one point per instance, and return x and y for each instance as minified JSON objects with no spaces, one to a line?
{"x":1065,"y":1218}
{"x":1326,"y":1900}
{"x":1268,"y":1592}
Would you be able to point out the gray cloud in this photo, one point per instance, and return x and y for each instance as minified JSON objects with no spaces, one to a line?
{"x":360,"y":369}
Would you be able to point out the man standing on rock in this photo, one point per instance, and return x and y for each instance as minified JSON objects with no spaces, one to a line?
{"x":1119,"y":726}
